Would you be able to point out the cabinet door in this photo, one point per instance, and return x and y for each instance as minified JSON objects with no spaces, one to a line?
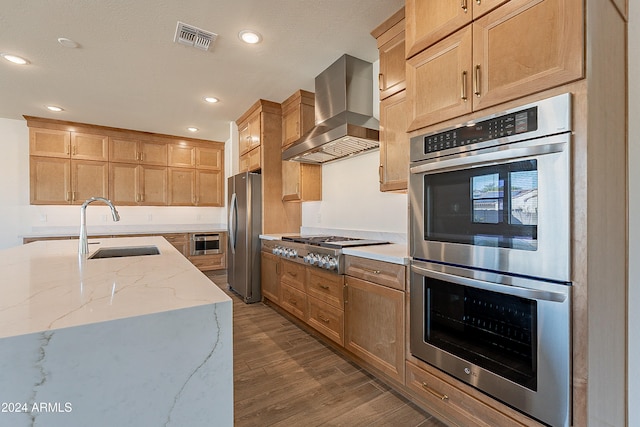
{"x":374,"y":326}
{"x":123,"y":150}
{"x":432,"y":20}
{"x":394,"y":143}
{"x":326,"y":319}
{"x":123,"y":183}
{"x":182,"y":186}
{"x":294,"y":275}
{"x":250,"y":161}
{"x":50,"y":180}
{"x":270,"y":276}
{"x":180,"y":241}
{"x":526,"y":46}
{"x":255,"y":130}
{"x":209,"y":188}
{"x":326,"y":287}
{"x":153,"y":153}
{"x":293,"y":300}
{"x":392,"y":61}
{"x":152,"y":185}
{"x":301,"y":182}
{"x":244,"y":138}
{"x":439,"y":81}
{"x":89,"y":179}
{"x":181,"y":155}
{"x":209,"y":158}
{"x":87,"y":146}
{"x":49,"y":142}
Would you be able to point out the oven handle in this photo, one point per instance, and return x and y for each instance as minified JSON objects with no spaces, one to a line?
{"x":534,"y":294}
{"x":491,"y":155}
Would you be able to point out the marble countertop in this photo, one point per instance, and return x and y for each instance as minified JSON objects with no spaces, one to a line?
{"x":395,"y":253}
{"x":116,"y":229}
{"x":46,"y":285}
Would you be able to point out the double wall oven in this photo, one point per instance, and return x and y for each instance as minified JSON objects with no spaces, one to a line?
{"x":490,"y":248}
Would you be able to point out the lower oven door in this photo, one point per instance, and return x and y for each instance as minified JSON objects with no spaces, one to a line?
{"x":509,"y":337}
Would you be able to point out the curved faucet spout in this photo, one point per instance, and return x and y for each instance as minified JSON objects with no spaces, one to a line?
{"x":83,"y":246}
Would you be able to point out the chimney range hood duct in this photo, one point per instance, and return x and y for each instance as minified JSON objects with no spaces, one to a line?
{"x":345,"y":125}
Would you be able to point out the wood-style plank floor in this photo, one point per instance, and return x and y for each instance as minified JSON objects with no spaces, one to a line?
{"x":283,"y":376}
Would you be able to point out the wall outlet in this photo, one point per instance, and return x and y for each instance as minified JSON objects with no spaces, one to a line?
{"x":104,"y":218}
{"x":319,"y":218}
{"x":149,"y":217}
{"x":43,"y":218}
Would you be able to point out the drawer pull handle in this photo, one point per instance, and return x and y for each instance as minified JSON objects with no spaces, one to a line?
{"x":463,"y":89}
{"x":463,"y":5}
{"x":476,"y":82}
{"x":325,"y":320}
{"x":372,"y":271}
{"x":291,"y":273}
{"x":324,"y":287}
{"x":293,"y":301}
{"x":434,"y":393}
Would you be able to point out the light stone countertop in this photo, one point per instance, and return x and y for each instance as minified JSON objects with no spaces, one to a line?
{"x":46,"y":285}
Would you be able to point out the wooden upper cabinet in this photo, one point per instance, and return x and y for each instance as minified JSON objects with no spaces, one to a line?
{"x":131,"y":184}
{"x":68,"y":144}
{"x":181,"y":155}
{"x":209,"y":158}
{"x":394,"y":143}
{"x":249,"y":133}
{"x":390,"y":37}
{"x":133,"y":151}
{"x":88,"y":179}
{"x":209,"y":190}
{"x":86,"y":146}
{"x":428,"y":21}
{"x":527,"y":46}
{"x":49,"y":142}
{"x":181,"y":186}
{"x":439,"y":80}
{"x":298,"y":116}
{"x":300,"y":181}
{"x":520,"y":48}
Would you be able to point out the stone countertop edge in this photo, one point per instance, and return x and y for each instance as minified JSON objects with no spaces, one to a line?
{"x":46,"y":285}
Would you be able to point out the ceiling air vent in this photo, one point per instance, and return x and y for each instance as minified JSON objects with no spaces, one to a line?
{"x":193,"y":36}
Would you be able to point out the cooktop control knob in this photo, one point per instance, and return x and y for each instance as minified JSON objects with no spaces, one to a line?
{"x":332,"y":264}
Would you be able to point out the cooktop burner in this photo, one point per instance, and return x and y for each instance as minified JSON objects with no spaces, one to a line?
{"x":333,"y":241}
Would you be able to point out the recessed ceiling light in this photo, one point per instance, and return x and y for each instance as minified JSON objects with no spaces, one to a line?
{"x":54,"y":108}
{"x":250,"y":36}
{"x":68,"y":43}
{"x":211,"y":99}
{"x":15,"y":59}
{"x":192,"y":129}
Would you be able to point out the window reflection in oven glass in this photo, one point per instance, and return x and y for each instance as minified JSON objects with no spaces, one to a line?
{"x":494,"y":206}
{"x":492,"y":330}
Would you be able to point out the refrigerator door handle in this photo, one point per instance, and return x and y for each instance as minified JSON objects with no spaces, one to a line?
{"x":233,"y":222}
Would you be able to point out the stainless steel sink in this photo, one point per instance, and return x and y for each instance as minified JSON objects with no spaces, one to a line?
{"x":125,"y":251}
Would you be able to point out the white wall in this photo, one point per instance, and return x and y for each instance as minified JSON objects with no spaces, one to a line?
{"x":18,"y":217}
{"x":351,"y":199}
{"x":634,"y":213}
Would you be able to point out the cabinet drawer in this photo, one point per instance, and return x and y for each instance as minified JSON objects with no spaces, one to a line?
{"x":459,"y":406}
{"x":380,"y":272}
{"x":326,"y":287}
{"x":209,"y":262}
{"x":294,"y":301}
{"x":293,"y":274}
{"x":326,"y":319}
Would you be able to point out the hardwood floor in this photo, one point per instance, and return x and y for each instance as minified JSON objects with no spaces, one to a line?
{"x":283,"y":376}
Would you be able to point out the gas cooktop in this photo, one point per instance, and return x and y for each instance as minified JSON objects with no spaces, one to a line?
{"x":333,"y":241}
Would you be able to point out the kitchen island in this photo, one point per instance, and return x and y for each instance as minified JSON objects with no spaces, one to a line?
{"x":127,"y":341}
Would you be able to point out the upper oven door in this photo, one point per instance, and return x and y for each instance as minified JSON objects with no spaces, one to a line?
{"x":504,"y":208}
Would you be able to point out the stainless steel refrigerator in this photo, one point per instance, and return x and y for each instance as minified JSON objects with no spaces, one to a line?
{"x":245,"y":224}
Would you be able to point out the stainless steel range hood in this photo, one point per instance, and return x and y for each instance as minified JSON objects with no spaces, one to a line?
{"x":345,"y":125}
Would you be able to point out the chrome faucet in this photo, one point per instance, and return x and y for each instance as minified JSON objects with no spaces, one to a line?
{"x":83,"y":246}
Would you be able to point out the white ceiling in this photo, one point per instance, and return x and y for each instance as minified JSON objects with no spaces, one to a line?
{"x":129,"y":73}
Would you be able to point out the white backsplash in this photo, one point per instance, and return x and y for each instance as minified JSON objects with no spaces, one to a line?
{"x":353,"y":205}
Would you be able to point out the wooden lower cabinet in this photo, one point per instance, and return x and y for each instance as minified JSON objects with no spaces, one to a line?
{"x":180,"y":241}
{"x":326,"y":319}
{"x":375,"y":327}
{"x":293,"y":300}
{"x":209,"y":262}
{"x":270,"y":276}
{"x":458,"y":404}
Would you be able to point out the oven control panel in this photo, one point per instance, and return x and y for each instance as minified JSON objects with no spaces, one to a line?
{"x":486,"y":130}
